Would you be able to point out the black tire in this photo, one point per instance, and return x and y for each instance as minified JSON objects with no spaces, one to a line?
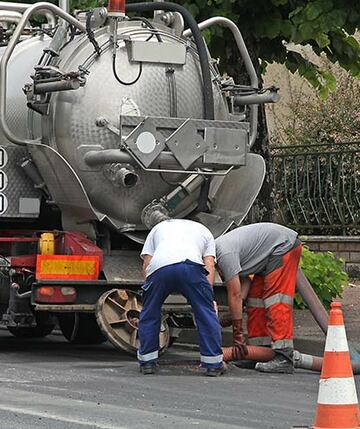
{"x":44,"y":327}
{"x":80,"y":328}
{"x":31,"y":331}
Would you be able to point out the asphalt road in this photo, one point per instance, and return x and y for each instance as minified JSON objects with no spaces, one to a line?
{"x":50,"y":383}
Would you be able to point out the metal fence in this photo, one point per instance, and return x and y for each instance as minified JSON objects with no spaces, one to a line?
{"x":317,"y":187}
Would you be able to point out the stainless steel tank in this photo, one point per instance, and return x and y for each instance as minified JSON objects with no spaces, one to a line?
{"x":115,"y":124}
{"x":73,"y":115}
{"x":18,"y":197}
{"x":26,"y":55}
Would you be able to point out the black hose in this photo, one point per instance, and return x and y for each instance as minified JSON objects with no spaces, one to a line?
{"x":204,"y":196}
{"x":200,"y":44}
{"x":117,"y":77}
{"x":149,"y":25}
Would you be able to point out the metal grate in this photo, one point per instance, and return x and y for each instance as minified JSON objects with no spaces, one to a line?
{"x":317,"y":187}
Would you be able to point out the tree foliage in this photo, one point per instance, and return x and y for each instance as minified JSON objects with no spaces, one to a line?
{"x":269,"y":25}
{"x":334,"y":120}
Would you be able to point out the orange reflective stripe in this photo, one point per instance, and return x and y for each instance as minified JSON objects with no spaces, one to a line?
{"x":65,"y":267}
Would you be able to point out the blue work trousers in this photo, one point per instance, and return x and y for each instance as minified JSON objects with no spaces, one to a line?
{"x":188,"y":279}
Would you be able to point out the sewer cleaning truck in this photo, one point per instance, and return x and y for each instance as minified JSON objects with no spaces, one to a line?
{"x":109,"y":122}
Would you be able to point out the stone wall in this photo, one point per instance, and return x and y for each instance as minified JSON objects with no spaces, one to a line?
{"x":347,"y":248}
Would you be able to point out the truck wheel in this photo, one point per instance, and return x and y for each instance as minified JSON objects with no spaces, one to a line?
{"x":44,"y":327}
{"x":30,"y":331}
{"x":80,"y":328}
{"x":117,"y":314}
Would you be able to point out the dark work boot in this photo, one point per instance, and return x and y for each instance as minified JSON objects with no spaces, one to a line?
{"x":282,"y":363}
{"x":245,"y":364}
{"x":148,"y":368}
{"x":216,"y":372}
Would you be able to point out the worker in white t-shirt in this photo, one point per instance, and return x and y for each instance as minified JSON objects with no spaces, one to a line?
{"x":179,"y":257}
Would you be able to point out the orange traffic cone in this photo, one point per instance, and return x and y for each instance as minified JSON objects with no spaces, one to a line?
{"x":337,"y":405}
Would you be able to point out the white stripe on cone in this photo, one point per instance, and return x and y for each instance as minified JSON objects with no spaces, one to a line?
{"x":336,"y":339}
{"x":337,"y":391}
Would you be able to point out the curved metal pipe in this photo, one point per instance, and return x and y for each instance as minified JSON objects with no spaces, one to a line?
{"x":267,"y":97}
{"x":10,"y":16}
{"x":7,"y":55}
{"x":226,"y":22}
{"x":21,"y":7}
{"x":65,"y":5}
{"x":165,"y":160}
{"x":317,"y":309}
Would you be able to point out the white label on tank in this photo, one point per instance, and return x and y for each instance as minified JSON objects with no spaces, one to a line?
{"x":3,"y":203}
{"x":146,"y":142}
{"x":3,"y":157}
{"x":3,"y":181}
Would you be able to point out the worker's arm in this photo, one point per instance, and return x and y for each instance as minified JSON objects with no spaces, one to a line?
{"x":209,"y":262}
{"x":147,"y":259}
{"x":233,"y":287}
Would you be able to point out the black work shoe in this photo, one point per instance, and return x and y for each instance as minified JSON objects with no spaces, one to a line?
{"x":216,"y":372}
{"x":148,"y":368}
{"x":245,"y":364}
{"x":279,"y":364}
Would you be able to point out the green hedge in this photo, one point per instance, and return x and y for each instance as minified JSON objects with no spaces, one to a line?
{"x":326,"y":275}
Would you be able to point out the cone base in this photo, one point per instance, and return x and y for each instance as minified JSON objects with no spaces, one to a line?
{"x":337,"y":417}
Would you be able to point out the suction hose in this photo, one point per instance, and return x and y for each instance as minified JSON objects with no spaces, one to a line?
{"x":315,"y":305}
{"x":320,"y":314}
{"x":255,"y":353}
{"x":264,"y":354}
{"x":200,"y":44}
{"x":314,"y":363}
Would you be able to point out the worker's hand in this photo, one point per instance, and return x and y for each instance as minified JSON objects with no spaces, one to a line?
{"x":225,"y":320}
{"x":238,"y":337}
{"x":239,"y":343}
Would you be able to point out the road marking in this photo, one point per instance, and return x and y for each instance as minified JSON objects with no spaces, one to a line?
{"x":60,"y":418}
{"x":11,"y":380}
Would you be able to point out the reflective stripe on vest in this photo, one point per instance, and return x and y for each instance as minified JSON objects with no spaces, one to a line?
{"x":282,"y":344}
{"x":259,"y":341}
{"x":278,"y":298}
{"x":211,"y":359}
{"x":255,"y":303}
{"x":148,"y":356}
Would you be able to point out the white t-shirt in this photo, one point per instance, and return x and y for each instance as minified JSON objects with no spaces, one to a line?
{"x":175,"y":240}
